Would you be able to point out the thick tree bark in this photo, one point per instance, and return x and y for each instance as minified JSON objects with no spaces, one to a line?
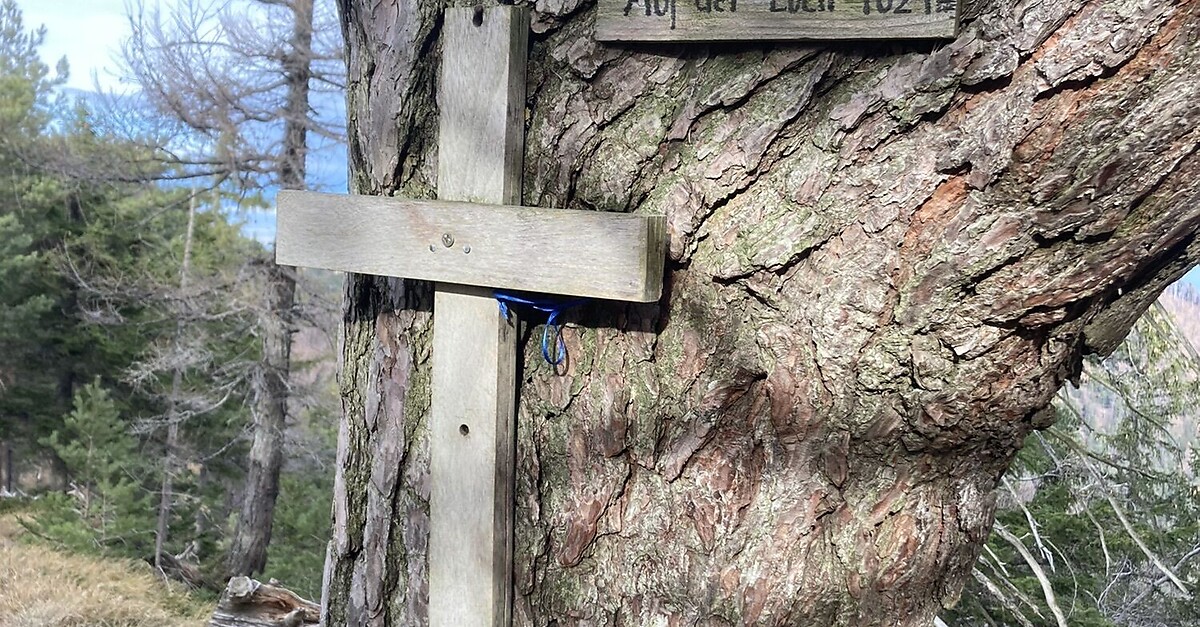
{"x":252,"y":536}
{"x":885,"y":260}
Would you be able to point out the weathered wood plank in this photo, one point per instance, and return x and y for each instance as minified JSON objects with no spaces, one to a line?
{"x":579,"y":253}
{"x":481,"y":101}
{"x":775,"y":20}
{"x":472,"y":447}
{"x":481,"y":106}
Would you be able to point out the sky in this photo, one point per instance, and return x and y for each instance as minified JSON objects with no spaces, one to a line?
{"x":87,"y":32}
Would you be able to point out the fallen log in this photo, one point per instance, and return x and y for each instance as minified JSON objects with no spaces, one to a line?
{"x":177,"y":568}
{"x":249,"y":603}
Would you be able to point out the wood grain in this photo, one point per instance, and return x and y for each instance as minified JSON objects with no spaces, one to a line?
{"x":578,"y":253}
{"x":472,"y":444}
{"x":775,"y":20}
{"x":472,"y":433}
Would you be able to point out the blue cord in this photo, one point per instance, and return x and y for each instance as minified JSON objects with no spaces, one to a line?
{"x":553,"y":306}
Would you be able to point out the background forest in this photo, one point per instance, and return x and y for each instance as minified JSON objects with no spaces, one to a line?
{"x":133,"y":313}
{"x":144,"y":339}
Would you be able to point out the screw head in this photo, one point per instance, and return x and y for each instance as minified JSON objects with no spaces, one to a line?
{"x":447,"y":240}
{"x":467,"y":249}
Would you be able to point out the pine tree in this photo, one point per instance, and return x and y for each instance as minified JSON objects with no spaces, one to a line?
{"x":234,"y":84}
{"x":107,"y":478}
{"x":89,"y":267}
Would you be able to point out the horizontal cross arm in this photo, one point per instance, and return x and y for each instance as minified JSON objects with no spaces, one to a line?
{"x":553,"y":251}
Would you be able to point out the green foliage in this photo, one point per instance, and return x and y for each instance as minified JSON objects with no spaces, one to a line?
{"x":89,"y":291}
{"x":16,"y":505}
{"x":46,"y":348}
{"x":301,"y":531}
{"x":1101,"y":496}
{"x":104,"y":507}
{"x":25,"y":82}
{"x":102,"y":344}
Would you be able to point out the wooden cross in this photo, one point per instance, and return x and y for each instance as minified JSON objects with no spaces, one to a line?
{"x":469,"y":249}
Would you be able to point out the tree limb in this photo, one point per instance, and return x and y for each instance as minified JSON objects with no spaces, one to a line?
{"x":1047,"y":588}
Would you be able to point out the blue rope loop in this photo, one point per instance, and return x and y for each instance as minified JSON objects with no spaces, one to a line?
{"x":555,"y":307}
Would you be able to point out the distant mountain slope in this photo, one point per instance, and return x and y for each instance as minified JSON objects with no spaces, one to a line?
{"x":1182,"y":301}
{"x":1148,"y":374}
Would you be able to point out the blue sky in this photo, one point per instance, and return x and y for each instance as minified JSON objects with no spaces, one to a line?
{"x":87,"y":32}
{"x":1193,"y":277}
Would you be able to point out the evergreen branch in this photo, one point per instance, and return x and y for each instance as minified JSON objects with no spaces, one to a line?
{"x":1137,"y":539}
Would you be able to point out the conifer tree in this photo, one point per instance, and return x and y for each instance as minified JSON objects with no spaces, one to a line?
{"x":233,"y":84}
{"x":89,"y":272}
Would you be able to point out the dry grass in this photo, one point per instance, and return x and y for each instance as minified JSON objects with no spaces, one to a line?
{"x":9,"y":528}
{"x":43,"y":588}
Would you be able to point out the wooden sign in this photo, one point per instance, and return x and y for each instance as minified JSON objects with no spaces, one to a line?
{"x":774,"y":20}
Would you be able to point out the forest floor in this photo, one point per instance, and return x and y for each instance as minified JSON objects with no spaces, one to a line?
{"x":40,"y":587}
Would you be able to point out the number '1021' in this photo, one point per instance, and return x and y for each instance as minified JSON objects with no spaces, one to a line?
{"x":902,"y":6}
{"x":868,"y":6}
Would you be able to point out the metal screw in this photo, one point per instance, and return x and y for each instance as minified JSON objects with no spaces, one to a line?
{"x":467,"y":249}
{"x":447,"y":240}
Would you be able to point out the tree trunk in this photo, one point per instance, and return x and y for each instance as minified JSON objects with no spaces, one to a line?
{"x":166,"y":491}
{"x":6,"y":468}
{"x":248,"y":549}
{"x":885,"y":259}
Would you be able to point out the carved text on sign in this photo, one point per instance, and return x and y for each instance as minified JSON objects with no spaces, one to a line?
{"x":772,"y":20}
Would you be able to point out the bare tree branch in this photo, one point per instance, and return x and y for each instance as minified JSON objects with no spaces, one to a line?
{"x":1047,"y":587}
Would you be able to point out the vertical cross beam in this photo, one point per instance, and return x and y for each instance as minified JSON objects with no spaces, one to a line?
{"x":481,"y":100}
